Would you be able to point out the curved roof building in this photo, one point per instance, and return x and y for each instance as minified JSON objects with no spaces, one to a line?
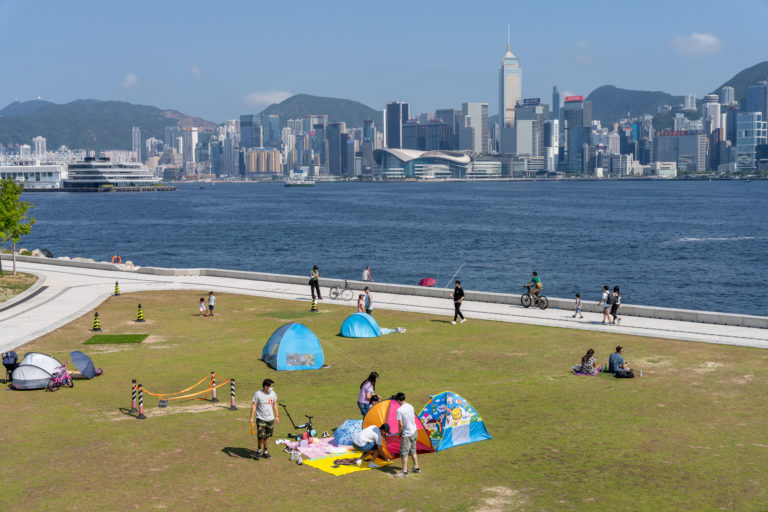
{"x":411,"y":163}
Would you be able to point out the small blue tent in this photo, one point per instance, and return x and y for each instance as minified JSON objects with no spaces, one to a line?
{"x":360,"y":325}
{"x":293,"y":347}
{"x":451,"y":421}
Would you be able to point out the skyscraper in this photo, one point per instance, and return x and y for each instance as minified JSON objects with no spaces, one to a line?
{"x":474,"y":132}
{"x":690,"y":102}
{"x":335,"y":150}
{"x":577,"y":121}
{"x":757,"y":99}
{"x":248,"y":124}
{"x":189,"y":136}
{"x":510,"y":86}
{"x":727,"y":95}
{"x":39,"y":145}
{"x":396,"y":116}
{"x":555,"y":103}
{"x":750,"y":131}
{"x":136,"y":140}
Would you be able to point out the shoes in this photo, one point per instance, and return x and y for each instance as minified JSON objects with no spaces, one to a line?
{"x":618,"y":320}
{"x":299,"y":461}
{"x":326,"y":434}
{"x":582,"y":316}
{"x":372,"y":465}
{"x":258,"y":455}
{"x":287,"y":450}
{"x":463,"y":320}
{"x":417,"y":470}
{"x":294,"y":455}
{"x":359,"y":462}
{"x":266,"y":455}
{"x":453,"y":323}
{"x":402,"y":474}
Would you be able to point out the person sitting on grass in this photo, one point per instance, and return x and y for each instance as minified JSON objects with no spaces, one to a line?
{"x":368,"y":441}
{"x":616,"y":361}
{"x":587,"y":365}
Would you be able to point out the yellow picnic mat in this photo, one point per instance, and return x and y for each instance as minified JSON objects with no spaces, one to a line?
{"x":342,"y":463}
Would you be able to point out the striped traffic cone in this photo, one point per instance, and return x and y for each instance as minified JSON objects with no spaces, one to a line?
{"x":314,"y":306}
{"x":96,"y":322}
{"x":140,"y":315}
{"x":117,"y":288}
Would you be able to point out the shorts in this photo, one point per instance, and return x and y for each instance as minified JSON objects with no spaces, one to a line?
{"x":408,"y":445}
{"x":363,"y":407}
{"x":211,"y":308}
{"x":578,"y":310}
{"x":265,"y":428}
{"x":367,"y":447}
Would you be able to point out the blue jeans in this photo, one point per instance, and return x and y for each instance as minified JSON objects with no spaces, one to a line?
{"x":363,"y":408}
{"x":367,"y":447}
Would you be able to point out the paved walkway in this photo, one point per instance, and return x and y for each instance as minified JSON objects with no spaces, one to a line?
{"x":65,"y":293}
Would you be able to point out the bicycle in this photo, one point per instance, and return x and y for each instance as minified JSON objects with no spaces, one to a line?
{"x":59,"y":378}
{"x":337,"y":291}
{"x":526,"y":299}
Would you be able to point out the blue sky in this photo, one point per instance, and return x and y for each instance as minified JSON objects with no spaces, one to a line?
{"x":221,"y":59}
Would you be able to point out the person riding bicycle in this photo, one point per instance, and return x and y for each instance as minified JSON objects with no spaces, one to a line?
{"x":535,"y":285}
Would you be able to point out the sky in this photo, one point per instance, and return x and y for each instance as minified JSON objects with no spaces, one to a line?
{"x":218,"y":60}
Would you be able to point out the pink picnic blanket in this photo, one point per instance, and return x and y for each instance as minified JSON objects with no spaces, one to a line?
{"x":320,"y":447}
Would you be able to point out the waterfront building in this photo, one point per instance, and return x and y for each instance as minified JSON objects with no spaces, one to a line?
{"x":333,"y":135}
{"x":664,"y":169}
{"x":98,"y":173}
{"x":39,"y":144}
{"x":189,"y":137}
{"x":473,"y":135}
{"x":757,"y":99}
{"x":690,"y":102}
{"x":350,"y":156}
{"x":510,"y":93}
{"x":687,"y":149}
{"x":409,"y":163}
{"x":215,"y":156}
{"x":727,"y":95}
{"x":262,"y":160}
{"x":577,"y":123}
{"x":136,"y":142}
{"x":34,"y":176}
{"x":528,"y":131}
{"x":750,"y":132}
{"x":396,"y":116}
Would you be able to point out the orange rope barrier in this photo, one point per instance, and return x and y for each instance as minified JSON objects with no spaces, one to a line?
{"x":160,"y":395}
{"x":205,"y":391}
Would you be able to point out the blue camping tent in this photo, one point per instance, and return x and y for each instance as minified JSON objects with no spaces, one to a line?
{"x":360,"y":325}
{"x":293,"y":347}
{"x":345,"y":434}
{"x":451,"y":421}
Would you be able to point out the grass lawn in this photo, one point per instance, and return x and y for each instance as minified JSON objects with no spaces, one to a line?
{"x":111,"y":339}
{"x":689,"y":435}
{"x":12,"y":285}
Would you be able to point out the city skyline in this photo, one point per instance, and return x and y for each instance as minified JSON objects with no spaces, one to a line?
{"x":195,"y":63}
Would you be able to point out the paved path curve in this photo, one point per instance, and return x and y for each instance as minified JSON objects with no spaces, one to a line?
{"x":65,"y":293}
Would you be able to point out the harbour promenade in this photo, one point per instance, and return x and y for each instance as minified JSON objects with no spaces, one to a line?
{"x":67,"y":290}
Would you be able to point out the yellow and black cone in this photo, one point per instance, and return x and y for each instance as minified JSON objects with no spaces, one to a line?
{"x":96,"y":322}
{"x":140,"y":315}
{"x":117,"y":288}
{"x":314,"y":306}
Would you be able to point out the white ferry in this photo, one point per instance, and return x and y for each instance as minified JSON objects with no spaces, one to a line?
{"x":100,"y":174}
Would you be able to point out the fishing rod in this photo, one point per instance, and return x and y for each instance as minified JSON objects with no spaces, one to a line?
{"x":454,"y":275}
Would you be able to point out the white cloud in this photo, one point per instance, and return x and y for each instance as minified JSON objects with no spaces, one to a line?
{"x":130,"y":80}
{"x":267,"y":97}
{"x":195,"y":71}
{"x":696,"y":44}
{"x":582,"y":45}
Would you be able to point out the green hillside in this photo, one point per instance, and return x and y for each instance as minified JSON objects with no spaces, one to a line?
{"x":610,"y":103}
{"x":338,"y":110}
{"x":89,"y":124}
{"x":745,"y":78}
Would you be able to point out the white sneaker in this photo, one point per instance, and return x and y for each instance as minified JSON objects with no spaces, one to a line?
{"x":359,"y":462}
{"x":453,"y":323}
{"x":463,"y":320}
{"x":299,"y":461}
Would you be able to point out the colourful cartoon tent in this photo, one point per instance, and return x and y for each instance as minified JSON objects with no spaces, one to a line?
{"x":360,"y":325}
{"x":451,"y":421}
{"x":386,"y":412}
{"x":293,"y":347}
{"x":345,"y":434}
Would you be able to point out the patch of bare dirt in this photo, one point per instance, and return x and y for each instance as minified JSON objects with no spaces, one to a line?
{"x":499,"y":499}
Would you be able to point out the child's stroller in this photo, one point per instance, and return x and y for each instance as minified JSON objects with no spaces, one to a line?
{"x":11,"y":362}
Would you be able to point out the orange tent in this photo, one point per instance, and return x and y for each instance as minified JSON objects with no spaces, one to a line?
{"x":386,"y":412}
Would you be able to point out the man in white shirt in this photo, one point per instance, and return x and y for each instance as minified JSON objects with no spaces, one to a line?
{"x":369,"y":442}
{"x":406,"y":420}
{"x":265,"y":407}
{"x":367,"y":274}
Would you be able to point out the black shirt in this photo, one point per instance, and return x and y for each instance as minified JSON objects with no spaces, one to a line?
{"x":458,"y":293}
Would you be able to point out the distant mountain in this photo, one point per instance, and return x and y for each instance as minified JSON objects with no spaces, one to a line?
{"x":338,"y":110}
{"x":90,"y":124}
{"x":744,"y":78}
{"x":609,"y":103}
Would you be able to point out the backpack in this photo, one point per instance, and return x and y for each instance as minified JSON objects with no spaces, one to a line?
{"x":624,"y":374}
{"x":611,"y":299}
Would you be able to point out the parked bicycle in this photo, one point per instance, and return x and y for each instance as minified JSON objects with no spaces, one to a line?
{"x":59,"y":378}
{"x":526,"y":299}
{"x":337,"y":291}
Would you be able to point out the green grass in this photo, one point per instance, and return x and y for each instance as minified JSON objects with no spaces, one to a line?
{"x":689,"y":435}
{"x":12,"y":285}
{"x":108,"y":339}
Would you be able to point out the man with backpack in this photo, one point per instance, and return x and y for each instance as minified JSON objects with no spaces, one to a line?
{"x":606,"y":301}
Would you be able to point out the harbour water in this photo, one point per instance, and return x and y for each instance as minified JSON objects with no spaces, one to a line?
{"x":683,"y":244}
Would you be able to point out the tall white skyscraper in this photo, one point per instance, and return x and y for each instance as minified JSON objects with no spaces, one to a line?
{"x":39,"y":144}
{"x":190,"y":143}
{"x":510,"y":86}
{"x":136,"y":139}
{"x":474,"y":132}
{"x":690,"y":101}
{"x":727,"y":95}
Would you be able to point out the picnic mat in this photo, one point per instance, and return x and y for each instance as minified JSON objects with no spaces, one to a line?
{"x":319,"y":448}
{"x":342,"y":463}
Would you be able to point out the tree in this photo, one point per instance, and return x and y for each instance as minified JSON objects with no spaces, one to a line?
{"x":14,"y":222}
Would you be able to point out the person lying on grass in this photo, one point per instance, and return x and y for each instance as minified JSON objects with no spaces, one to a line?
{"x":369,"y":442}
{"x":587,"y":365}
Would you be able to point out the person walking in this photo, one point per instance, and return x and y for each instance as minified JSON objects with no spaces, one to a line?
{"x":577,"y":307}
{"x":604,"y":303}
{"x":616,"y":305}
{"x":203,"y":311}
{"x":211,"y":302}
{"x":265,"y":407}
{"x":458,"y":298}
{"x":367,"y":274}
{"x":368,"y":301}
{"x":406,"y":421}
{"x":314,"y":282}
{"x":367,"y":390}
{"x":361,"y":303}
